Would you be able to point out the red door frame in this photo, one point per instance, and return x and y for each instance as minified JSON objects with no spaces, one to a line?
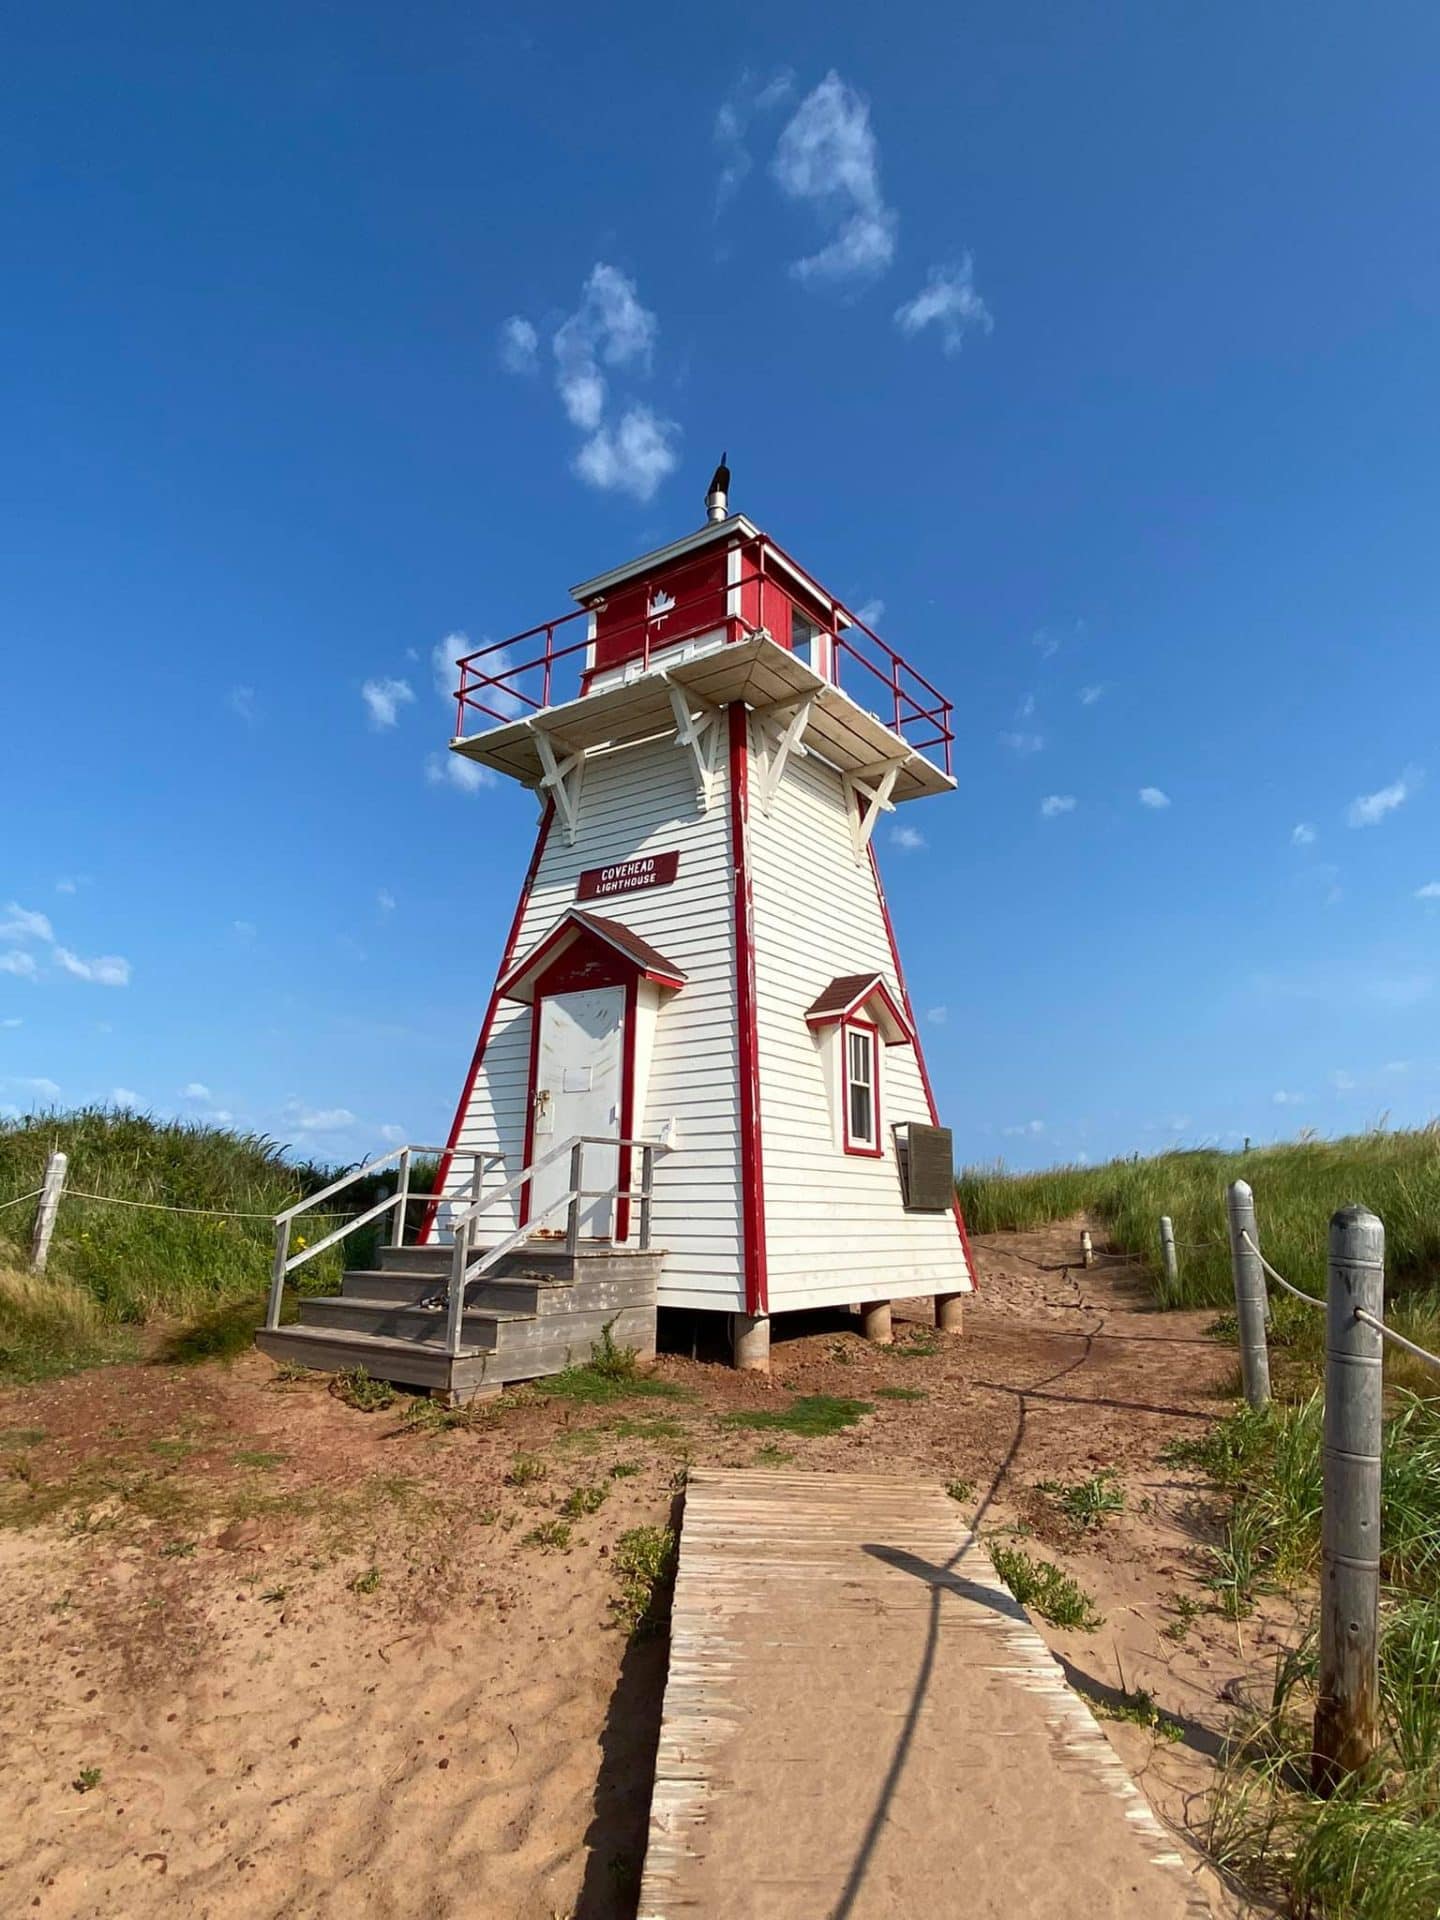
{"x":566,"y":976}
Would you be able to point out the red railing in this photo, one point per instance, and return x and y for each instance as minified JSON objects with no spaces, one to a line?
{"x":553,"y":667}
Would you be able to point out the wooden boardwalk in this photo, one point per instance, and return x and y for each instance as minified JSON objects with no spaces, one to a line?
{"x":861,"y":1722}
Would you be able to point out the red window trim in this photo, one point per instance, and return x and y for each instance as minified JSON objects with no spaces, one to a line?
{"x":860,"y":1147}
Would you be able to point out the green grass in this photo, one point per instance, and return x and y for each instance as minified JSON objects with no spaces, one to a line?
{"x":1045,"y":1589}
{"x":583,"y":1500}
{"x":1138,"y":1707}
{"x":549,"y":1535}
{"x":644,"y":1563}
{"x":811,"y":1415}
{"x":1297,"y":1187}
{"x":356,"y":1387}
{"x":116,"y":1268}
{"x":901,"y":1393}
{"x":1087,"y":1501}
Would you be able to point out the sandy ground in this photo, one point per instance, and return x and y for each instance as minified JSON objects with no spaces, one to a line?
{"x":267,"y":1655}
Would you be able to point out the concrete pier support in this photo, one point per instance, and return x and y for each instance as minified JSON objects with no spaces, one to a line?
{"x":750,"y":1341}
{"x":950,"y":1312}
{"x":875,"y":1322}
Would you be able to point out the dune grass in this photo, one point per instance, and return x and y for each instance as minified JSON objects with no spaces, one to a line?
{"x":115,"y":1268}
{"x":1297,"y":1187}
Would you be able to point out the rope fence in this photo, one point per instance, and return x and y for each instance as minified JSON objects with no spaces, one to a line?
{"x":20,"y":1198}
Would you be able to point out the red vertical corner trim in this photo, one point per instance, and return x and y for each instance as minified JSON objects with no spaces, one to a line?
{"x":752,"y":1169}
{"x":919,"y":1050}
{"x":507,"y":960}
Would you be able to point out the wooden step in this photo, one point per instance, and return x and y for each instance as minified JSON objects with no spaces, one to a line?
{"x":409,"y":1289}
{"x":479,"y":1331}
{"x":422,"y":1260}
{"x":336,"y":1351}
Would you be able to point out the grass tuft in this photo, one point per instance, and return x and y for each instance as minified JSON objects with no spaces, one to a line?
{"x":644,"y":1563}
{"x":357,"y":1388}
{"x":1045,"y":1589}
{"x":812,"y":1416}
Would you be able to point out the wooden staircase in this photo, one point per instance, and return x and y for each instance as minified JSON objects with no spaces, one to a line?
{"x":539,"y":1310}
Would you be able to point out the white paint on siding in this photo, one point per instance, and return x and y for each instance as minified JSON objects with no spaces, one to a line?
{"x":836,"y":1226}
{"x":639,"y":801}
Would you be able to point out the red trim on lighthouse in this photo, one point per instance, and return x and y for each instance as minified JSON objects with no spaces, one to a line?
{"x":919,"y":1052}
{"x":752,"y":1170}
{"x":507,"y":958}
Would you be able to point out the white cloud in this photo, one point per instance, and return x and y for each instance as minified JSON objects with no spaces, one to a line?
{"x":241,"y":702}
{"x":39,"y":1087}
{"x":394,"y":1136}
{"x":1046,"y":643}
{"x":20,"y":923}
{"x":105,"y":970}
{"x":633,"y":456}
{"x":1153,"y":797}
{"x":870,"y":612}
{"x":1302,"y":835}
{"x":1369,"y":809}
{"x":1055,"y":804}
{"x":948,"y":300}
{"x":1396,"y":1066}
{"x":243,"y":929}
{"x":321,"y":1119}
{"x":827,"y":156}
{"x":124,"y":1097}
{"x":196,"y":1090}
{"x":1028,"y":1127}
{"x":13,"y":1021}
{"x":519,"y":345}
{"x":909,"y":839}
{"x":1284,"y":1099}
{"x":1341,"y":1081}
{"x":610,"y":326}
{"x":385,"y":900}
{"x":67,"y":886}
{"x":1089,"y":695}
{"x":744,"y":103}
{"x":453,"y":770}
{"x":21,"y":964}
{"x":1430,"y":891}
{"x":1023,"y":742}
{"x":384,"y":699}
{"x":937,"y":1016}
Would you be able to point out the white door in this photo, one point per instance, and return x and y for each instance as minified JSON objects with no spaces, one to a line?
{"x":577,"y":1090}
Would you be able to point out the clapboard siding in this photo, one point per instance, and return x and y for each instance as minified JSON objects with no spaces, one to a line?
{"x":637,"y":801}
{"x":836,"y":1226}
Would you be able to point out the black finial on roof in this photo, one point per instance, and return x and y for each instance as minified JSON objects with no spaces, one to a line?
{"x":721,"y":481}
{"x":717,"y":498}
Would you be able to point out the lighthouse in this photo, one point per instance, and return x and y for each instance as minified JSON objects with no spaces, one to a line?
{"x":699,"y":1043}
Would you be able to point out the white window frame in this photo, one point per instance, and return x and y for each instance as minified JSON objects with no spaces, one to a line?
{"x":871,"y":1146}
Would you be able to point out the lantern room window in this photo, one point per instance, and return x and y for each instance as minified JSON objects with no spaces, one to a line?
{"x":861,"y":1089}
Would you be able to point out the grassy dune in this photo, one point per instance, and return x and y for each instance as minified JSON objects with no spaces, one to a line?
{"x":114,"y":1269}
{"x":1372,"y":1852}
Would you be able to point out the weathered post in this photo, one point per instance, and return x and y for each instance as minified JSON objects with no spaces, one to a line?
{"x":402,"y":1188}
{"x":875,"y":1322}
{"x":1167,"y":1255}
{"x":1087,"y":1249}
{"x":1252,"y":1301}
{"x":1347,"y":1699}
{"x":45,"y":1213}
{"x":572,"y":1212}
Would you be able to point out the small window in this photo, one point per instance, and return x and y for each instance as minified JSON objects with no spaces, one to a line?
{"x":805,"y":640}
{"x":862,"y":1094}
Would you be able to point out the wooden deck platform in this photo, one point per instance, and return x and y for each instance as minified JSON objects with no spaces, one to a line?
{"x":861,"y":1722}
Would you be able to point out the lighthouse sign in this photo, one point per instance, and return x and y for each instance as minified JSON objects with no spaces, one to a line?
{"x":628,"y":876}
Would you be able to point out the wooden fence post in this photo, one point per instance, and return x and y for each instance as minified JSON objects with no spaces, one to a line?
{"x":1347,"y":1699}
{"x":1087,"y":1249}
{"x":45,"y":1213}
{"x":1252,"y":1301}
{"x":1167,"y":1254}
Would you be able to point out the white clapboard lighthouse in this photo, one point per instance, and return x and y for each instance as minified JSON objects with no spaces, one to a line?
{"x":701,"y":982}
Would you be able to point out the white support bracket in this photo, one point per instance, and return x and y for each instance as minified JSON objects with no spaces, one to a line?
{"x":780,"y":733}
{"x":875,"y":785}
{"x":699,"y":733}
{"x":562,"y":780}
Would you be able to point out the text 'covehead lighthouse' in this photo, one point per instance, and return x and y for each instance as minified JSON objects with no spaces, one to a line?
{"x":701,"y":973}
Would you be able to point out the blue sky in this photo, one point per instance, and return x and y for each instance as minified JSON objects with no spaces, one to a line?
{"x":1101,"y":346}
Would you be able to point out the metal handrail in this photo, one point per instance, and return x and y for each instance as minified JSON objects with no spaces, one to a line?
{"x":285,"y":1262}
{"x":684,"y":619}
